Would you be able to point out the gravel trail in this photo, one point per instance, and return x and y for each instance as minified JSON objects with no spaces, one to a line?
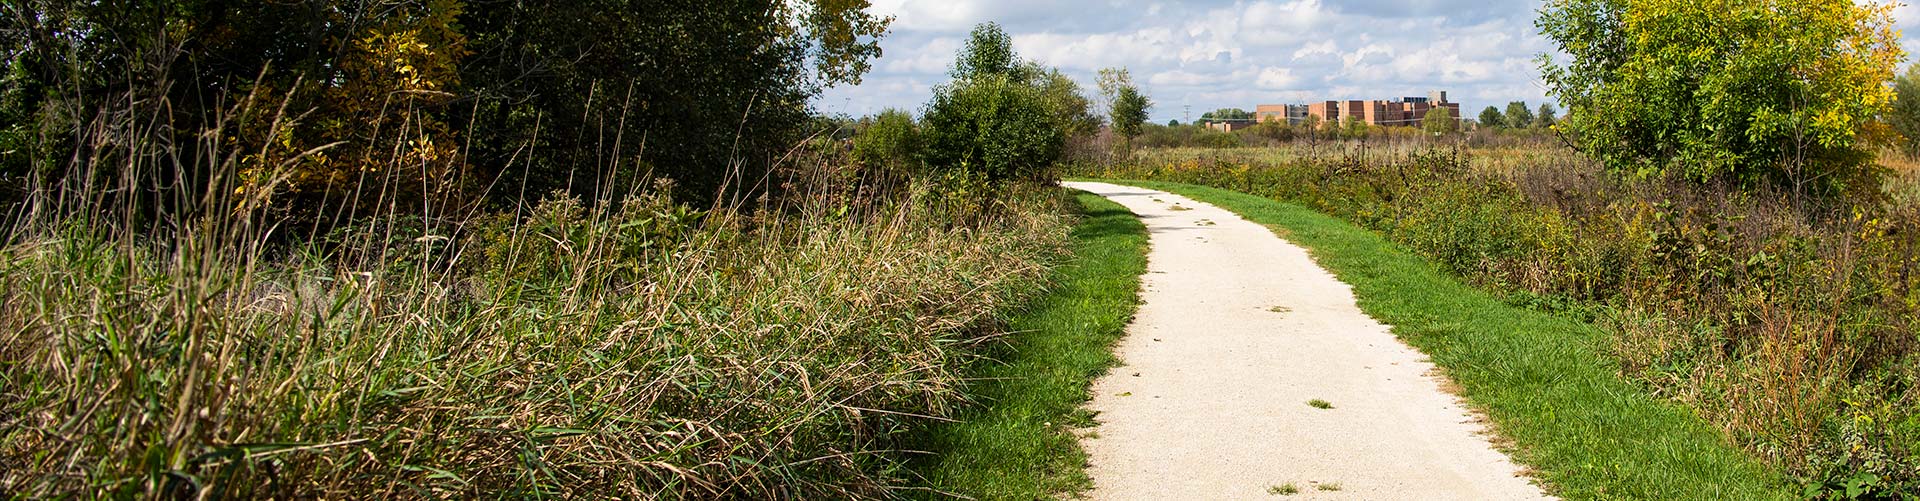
{"x":1238,"y":331}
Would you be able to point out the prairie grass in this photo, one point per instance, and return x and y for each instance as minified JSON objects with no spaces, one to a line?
{"x":1020,"y":443}
{"x":625,"y":347}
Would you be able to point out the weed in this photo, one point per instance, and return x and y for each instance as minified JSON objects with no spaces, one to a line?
{"x":1319,"y":404}
{"x":1286,"y":489}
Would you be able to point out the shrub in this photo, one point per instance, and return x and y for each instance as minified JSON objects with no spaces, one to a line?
{"x":994,"y":126}
{"x":1725,"y":90}
{"x":889,"y":139}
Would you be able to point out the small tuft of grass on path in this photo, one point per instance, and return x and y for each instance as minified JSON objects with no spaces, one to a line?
{"x":1286,"y":489}
{"x":1018,"y":441}
{"x":1542,"y":379}
{"x":1320,"y":404}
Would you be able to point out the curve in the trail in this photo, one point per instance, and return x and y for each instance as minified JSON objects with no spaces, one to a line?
{"x":1239,"y":339}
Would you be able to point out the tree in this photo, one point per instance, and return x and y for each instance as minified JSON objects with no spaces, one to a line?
{"x":1225,"y":114}
{"x":989,"y":51}
{"x":1518,"y":116}
{"x":1071,"y":110}
{"x":1904,"y":114}
{"x":1491,"y":117}
{"x":1000,"y":117}
{"x":1546,"y":117}
{"x":1439,"y":121}
{"x":889,"y":139}
{"x":1725,"y":89}
{"x":1129,"y":105}
{"x":1173,"y":123}
{"x":441,"y":97}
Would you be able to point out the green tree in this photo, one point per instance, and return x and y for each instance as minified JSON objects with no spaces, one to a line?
{"x":889,"y":139}
{"x":1071,"y":110}
{"x":1129,"y":106}
{"x":992,"y":126}
{"x":1225,"y":114}
{"x":1440,"y":121}
{"x":1518,"y":116}
{"x":989,"y":51}
{"x":1721,"y":89}
{"x":1546,"y":117}
{"x":1904,"y":114}
{"x":458,"y":92}
{"x":1491,"y":117}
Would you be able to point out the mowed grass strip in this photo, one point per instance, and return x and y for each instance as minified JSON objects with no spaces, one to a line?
{"x":1018,"y":441}
{"x":1582,"y":429}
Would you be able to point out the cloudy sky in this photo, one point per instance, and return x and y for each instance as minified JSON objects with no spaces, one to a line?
{"x":1210,"y":54}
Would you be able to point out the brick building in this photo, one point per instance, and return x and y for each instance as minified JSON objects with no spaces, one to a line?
{"x":1407,"y":111}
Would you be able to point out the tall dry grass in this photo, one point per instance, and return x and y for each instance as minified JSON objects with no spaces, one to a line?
{"x":183,"y":343}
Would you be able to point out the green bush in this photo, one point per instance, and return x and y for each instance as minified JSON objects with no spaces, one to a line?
{"x":995,"y":126}
{"x":889,"y":140}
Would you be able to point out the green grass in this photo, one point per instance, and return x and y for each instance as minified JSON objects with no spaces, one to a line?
{"x":1286,"y":489}
{"x":1320,"y":404}
{"x":1019,"y":443}
{"x":1542,"y":379}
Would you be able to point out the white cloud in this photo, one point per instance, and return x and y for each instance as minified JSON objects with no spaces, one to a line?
{"x":1211,"y":54}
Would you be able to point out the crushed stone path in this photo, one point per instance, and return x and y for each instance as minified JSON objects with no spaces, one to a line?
{"x":1237,"y":332}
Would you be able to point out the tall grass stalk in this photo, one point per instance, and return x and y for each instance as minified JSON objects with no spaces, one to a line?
{"x":627,"y":346}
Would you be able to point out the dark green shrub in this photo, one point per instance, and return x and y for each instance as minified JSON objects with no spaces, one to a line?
{"x":995,"y":126}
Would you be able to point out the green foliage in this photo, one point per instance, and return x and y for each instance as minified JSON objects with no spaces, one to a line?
{"x":1127,"y":106}
{"x":1725,"y":89}
{"x":989,"y":51}
{"x":1903,"y":115}
{"x":421,"y":103}
{"x":1491,"y":117}
{"x":1546,"y":117}
{"x":1000,"y":128}
{"x":891,"y":139}
{"x":1073,"y":114}
{"x":1518,"y":116}
{"x":1226,"y":114}
{"x":1439,"y":121}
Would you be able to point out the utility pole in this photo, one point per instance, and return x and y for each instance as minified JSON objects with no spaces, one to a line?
{"x":1186,"y":115}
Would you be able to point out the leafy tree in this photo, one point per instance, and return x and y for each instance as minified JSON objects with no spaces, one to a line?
{"x":1491,"y":117}
{"x":440,"y":98}
{"x":1546,"y":117}
{"x":1071,"y":110}
{"x":1904,"y":114}
{"x":1355,"y":128}
{"x":1440,"y":121}
{"x":1518,"y":116}
{"x":1128,"y":105}
{"x":992,"y":126}
{"x":1173,"y":123}
{"x":989,"y":51}
{"x":890,"y":139}
{"x":1721,"y":89}
{"x":1000,"y":117}
{"x":1226,"y":114}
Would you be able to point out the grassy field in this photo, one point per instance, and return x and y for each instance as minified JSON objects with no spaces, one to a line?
{"x":1019,"y":443}
{"x":643,"y":349}
{"x":1544,"y":380}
